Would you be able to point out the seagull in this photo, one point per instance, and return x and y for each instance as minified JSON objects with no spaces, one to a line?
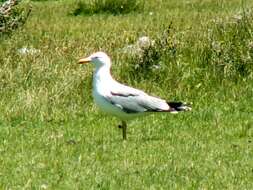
{"x":123,"y":101}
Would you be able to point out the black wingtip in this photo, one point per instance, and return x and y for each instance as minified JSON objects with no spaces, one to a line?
{"x":179,"y":106}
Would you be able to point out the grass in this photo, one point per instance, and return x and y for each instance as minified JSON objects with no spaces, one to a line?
{"x":53,"y":136}
{"x":107,"y":6}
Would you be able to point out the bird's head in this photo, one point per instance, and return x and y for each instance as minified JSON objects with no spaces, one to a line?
{"x":99,"y":59}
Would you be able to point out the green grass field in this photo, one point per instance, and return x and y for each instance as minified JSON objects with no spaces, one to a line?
{"x":52,"y":136}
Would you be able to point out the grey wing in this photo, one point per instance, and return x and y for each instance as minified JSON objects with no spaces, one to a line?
{"x":135,"y":101}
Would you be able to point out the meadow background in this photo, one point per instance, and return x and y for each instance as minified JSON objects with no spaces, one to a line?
{"x":52,"y":136}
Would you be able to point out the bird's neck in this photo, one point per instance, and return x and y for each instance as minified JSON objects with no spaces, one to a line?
{"x":101,"y":75}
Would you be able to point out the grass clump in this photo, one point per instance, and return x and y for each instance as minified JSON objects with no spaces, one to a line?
{"x":12,"y":16}
{"x":150,"y":54}
{"x":229,"y":46}
{"x":107,"y":6}
{"x":224,"y":48}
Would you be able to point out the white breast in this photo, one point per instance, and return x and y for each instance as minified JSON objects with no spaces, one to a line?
{"x":101,"y":89}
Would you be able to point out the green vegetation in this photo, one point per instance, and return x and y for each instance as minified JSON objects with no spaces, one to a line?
{"x":12,"y":16}
{"x":107,"y":6}
{"x":52,"y":136}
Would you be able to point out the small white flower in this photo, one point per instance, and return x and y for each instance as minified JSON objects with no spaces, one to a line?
{"x":237,"y":17}
{"x":156,"y":67}
{"x":144,"y":42}
{"x":216,"y":46}
{"x":250,"y":45}
{"x":26,"y":51}
{"x":44,"y":186}
{"x":138,"y":48}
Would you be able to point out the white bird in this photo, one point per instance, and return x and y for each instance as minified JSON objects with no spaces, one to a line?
{"x":120,"y":100}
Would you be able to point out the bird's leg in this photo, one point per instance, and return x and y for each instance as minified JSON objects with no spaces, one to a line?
{"x":124,"y":128}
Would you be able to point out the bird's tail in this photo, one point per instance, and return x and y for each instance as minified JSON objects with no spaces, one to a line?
{"x":175,"y":107}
